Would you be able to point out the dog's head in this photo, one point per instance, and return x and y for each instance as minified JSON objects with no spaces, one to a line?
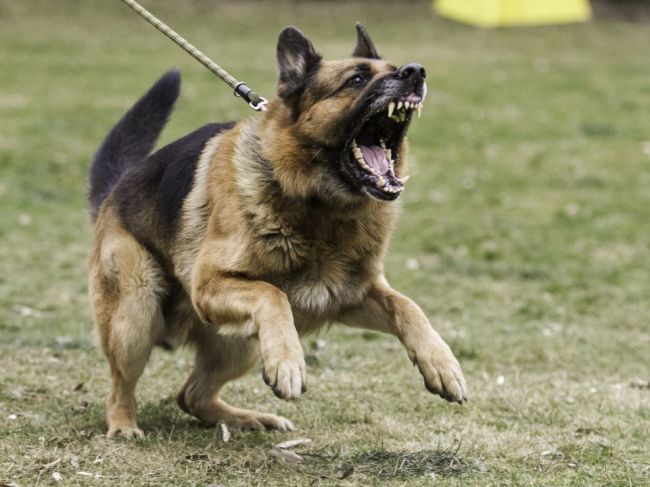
{"x":349,"y":117}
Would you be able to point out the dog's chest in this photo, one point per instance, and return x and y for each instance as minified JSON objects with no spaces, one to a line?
{"x":325,"y":287}
{"x":325,"y":266}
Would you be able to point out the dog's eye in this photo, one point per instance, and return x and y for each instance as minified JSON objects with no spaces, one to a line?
{"x":356,"y":80}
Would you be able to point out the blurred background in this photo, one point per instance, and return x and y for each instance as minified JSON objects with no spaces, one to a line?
{"x":525,"y":237}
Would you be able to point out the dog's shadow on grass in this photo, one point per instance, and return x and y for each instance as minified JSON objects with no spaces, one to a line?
{"x":386,"y":465}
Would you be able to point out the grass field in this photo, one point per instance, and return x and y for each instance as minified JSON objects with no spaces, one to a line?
{"x":525,"y":237}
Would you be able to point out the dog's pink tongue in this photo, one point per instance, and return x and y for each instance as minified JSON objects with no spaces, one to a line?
{"x":375,"y":157}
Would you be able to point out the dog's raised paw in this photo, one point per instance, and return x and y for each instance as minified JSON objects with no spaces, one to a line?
{"x":287,"y":379}
{"x":444,"y":377}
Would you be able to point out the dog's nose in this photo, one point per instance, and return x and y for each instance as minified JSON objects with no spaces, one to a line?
{"x":412,"y":69}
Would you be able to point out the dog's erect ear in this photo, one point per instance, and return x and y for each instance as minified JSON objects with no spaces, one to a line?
{"x":296,"y":58}
{"x":365,"y":47}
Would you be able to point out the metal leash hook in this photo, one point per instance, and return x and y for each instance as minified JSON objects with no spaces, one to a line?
{"x":242,"y":90}
{"x":260,"y":106}
{"x":256,"y":102}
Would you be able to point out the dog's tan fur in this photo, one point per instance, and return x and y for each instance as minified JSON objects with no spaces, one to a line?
{"x":260,"y":261}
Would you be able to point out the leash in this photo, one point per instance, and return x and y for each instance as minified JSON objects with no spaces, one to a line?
{"x":240,"y":88}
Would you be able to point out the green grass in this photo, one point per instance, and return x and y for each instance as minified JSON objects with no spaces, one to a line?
{"x":525,"y":237}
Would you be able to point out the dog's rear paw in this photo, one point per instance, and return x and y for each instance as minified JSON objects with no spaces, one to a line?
{"x":272,"y":422}
{"x":125,"y":431}
{"x":252,"y":421}
{"x":287,"y":378}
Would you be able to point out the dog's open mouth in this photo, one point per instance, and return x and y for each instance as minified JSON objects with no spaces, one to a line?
{"x":376,"y":145}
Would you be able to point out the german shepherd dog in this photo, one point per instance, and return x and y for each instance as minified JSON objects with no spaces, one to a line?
{"x":239,"y":237}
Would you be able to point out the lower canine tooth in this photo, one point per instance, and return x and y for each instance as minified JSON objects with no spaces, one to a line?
{"x":419,"y":110}
{"x":381,"y":182}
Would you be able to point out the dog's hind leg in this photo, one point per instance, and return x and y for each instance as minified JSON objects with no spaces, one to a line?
{"x":220,"y":359}
{"x":125,"y":285}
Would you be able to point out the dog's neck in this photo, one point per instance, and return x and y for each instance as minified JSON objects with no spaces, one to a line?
{"x":271,"y":164}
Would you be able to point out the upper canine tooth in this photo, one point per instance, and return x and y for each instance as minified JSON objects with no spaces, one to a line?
{"x":382,"y":143}
{"x":391,"y":108}
{"x":354,"y":143}
{"x":357,"y":153}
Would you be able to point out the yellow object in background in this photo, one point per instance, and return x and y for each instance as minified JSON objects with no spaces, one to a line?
{"x":498,"y":13}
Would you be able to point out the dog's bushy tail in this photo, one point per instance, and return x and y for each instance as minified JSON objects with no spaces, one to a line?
{"x":132,"y":139}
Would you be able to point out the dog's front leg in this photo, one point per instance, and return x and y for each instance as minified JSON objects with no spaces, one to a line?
{"x":246,"y":308}
{"x":384,"y":309}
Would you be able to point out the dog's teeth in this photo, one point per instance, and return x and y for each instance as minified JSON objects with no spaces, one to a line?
{"x":382,"y":143}
{"x":391,"y":109}
{"x":358,"y":155}
{"x":365,"y":166}
{"x":354,"y":143}
{"x":419,"y":110}
{"x":381,"y":182}
{"x":405,"y":178}
{"x":399,"y":105}
{"x":389,"y":155}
